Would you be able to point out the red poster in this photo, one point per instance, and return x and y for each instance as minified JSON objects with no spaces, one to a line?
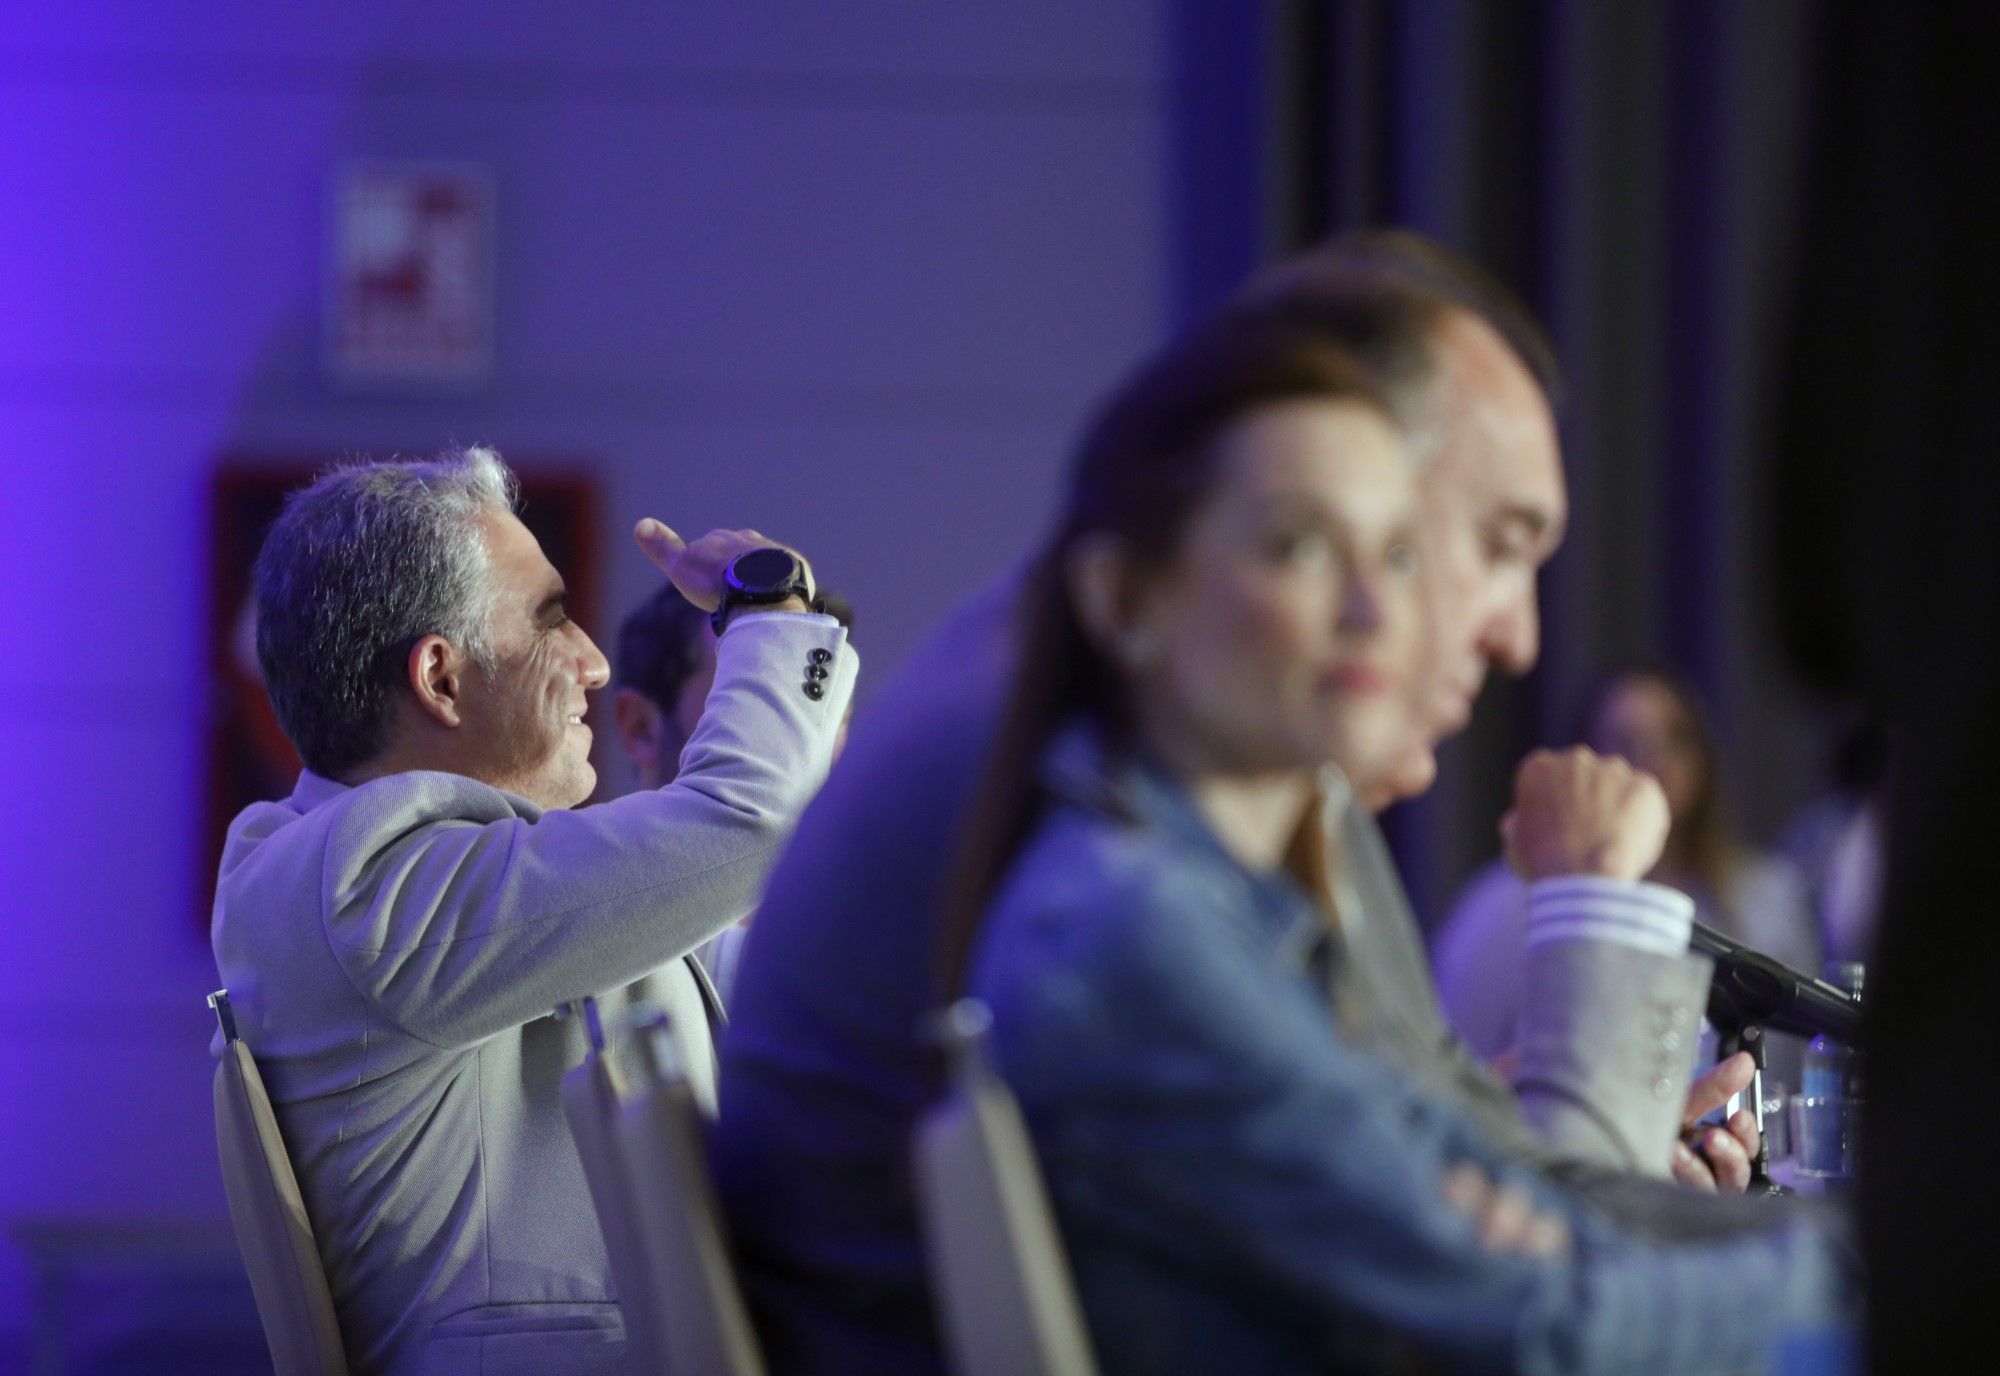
{"x":411,"y":277}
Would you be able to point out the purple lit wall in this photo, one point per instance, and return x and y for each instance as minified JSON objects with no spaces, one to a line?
{"x":845,"y":273}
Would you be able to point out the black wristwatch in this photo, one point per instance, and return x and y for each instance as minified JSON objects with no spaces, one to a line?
{"x":758,"y":578}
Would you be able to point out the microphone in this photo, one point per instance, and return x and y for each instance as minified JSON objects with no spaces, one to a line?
{"x":1751,"y":988}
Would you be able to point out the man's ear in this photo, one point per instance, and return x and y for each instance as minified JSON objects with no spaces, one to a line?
{"x":1104,"y":593}
{"x":437,"y":672}
{"x":639,"y":721}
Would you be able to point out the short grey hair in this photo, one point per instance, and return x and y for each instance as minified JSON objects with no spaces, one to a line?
{"x":359,"y":566}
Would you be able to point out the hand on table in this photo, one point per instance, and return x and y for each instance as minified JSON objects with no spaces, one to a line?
{"x":1719,"y":1158}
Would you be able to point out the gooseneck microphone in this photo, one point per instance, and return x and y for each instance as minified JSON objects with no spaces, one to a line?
{"x":1752,"y":989}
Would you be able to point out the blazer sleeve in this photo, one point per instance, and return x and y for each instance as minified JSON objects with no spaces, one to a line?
{"x":460,"y":911}
{"x":1607,"y":1040}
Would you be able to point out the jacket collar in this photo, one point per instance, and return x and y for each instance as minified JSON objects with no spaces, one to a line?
{"x":313,"y":789}
{"x":1083,"y":767}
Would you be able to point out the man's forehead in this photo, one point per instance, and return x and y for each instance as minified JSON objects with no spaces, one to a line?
{"x":1500,"y":449}
{"x":516,"y":556}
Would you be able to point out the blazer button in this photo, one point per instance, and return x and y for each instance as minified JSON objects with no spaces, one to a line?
{"x":820,"y":656}
{"x":815,"y":671}
{"x":815,"y":690}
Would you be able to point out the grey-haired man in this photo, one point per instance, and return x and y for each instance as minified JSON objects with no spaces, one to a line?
{"x":396,"y":933}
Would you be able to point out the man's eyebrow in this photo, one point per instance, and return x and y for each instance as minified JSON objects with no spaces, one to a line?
{"x":556,"y":601}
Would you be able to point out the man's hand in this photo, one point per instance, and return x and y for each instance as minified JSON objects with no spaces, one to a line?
{"x":1577,"y":812}
{"x":697,"y":568}
{"x":1715,"y":1159}
{"x":1508,"y":1222}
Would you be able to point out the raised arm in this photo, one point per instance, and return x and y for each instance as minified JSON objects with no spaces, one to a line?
{"x":461,"y":911}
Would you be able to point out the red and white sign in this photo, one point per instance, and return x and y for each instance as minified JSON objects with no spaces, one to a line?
{"x":411,"y":287}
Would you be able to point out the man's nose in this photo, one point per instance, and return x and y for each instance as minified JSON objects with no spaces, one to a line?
{"x":1514,"y":636}
{"x":593,"y":668}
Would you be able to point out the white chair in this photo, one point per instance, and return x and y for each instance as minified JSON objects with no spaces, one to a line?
{"x":269,"y":1215}
{"x":691,"y":1297}
{"x":997,"y":1267}
{"x":591,"y":1094}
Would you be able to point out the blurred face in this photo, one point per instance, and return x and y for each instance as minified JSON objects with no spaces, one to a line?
{"x":1493,"y":509}
{"x":1285,"y":632}
{"x":694,"y":689}
{"x":1642,"y":720}
{"x":524,"y":720}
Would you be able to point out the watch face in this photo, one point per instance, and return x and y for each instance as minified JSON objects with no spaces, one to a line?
{"x":763,"y":570}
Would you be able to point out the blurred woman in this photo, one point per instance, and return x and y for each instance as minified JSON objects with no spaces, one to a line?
{"x":1653,"y":719}
{"x":1227,"y":613}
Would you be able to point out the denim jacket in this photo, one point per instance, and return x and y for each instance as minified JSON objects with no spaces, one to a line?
{"x":1241,"y":1188}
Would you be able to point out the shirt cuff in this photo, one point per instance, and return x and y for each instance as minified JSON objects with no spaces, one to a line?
{"x":1642,"y":916}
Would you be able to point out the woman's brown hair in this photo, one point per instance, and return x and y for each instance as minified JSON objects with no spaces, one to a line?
{"x":1143,"y":469}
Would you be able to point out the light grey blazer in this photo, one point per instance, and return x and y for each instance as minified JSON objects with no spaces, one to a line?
{"x":394,"y":953}
{"x":1607,"y":1033}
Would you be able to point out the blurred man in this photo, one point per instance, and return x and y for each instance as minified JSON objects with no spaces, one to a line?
{"x":824,"y":1075}
{"x":825,"y":1071}
{"x":1473,"y":379}
{"x":396,"y":934}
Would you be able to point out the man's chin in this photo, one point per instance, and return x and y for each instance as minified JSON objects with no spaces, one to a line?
{"x":1383,"y":782}
{"x":576,"y":788}
{"x":1406,"y":778}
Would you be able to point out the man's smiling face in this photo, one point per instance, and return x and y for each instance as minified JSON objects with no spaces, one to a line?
{"x":526,"y":714}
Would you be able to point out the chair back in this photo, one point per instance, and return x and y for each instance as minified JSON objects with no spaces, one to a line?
{"x":591,"y":1094}
{"x":693,"y":1297}
{"x":269,"y":1215}
{"x":997,"y":1267}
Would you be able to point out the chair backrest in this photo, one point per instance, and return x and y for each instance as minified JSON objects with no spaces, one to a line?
{"x":269,"y":1215}
{"x":693,"y":1296}
{"x":591,"y":1094}
{"x":997,"y":1267}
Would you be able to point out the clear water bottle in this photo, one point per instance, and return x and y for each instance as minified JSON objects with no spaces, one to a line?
{"x":1827,"y":1116}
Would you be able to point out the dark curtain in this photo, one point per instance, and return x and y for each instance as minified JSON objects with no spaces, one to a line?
{"x":1633,"y":170}
{"x":1892,"y":455}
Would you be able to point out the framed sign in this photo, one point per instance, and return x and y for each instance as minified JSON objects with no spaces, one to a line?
{"x":409,"y":297}
{"x":249,"y":758}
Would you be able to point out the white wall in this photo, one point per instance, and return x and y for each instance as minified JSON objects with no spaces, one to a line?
{"x":845,"y":272}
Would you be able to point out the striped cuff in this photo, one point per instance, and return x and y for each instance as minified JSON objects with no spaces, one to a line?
{"x":1645,"y":917}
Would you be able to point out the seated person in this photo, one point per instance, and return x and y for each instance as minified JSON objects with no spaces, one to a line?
{"x":664,"y":667}
{"x":1228,"y":609}
{"x":823,"y":1079}
{"x":397,"y":933}
{"x":1654,"y":720}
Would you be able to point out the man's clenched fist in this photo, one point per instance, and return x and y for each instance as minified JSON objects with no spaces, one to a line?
{"x":1577,"y":812}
